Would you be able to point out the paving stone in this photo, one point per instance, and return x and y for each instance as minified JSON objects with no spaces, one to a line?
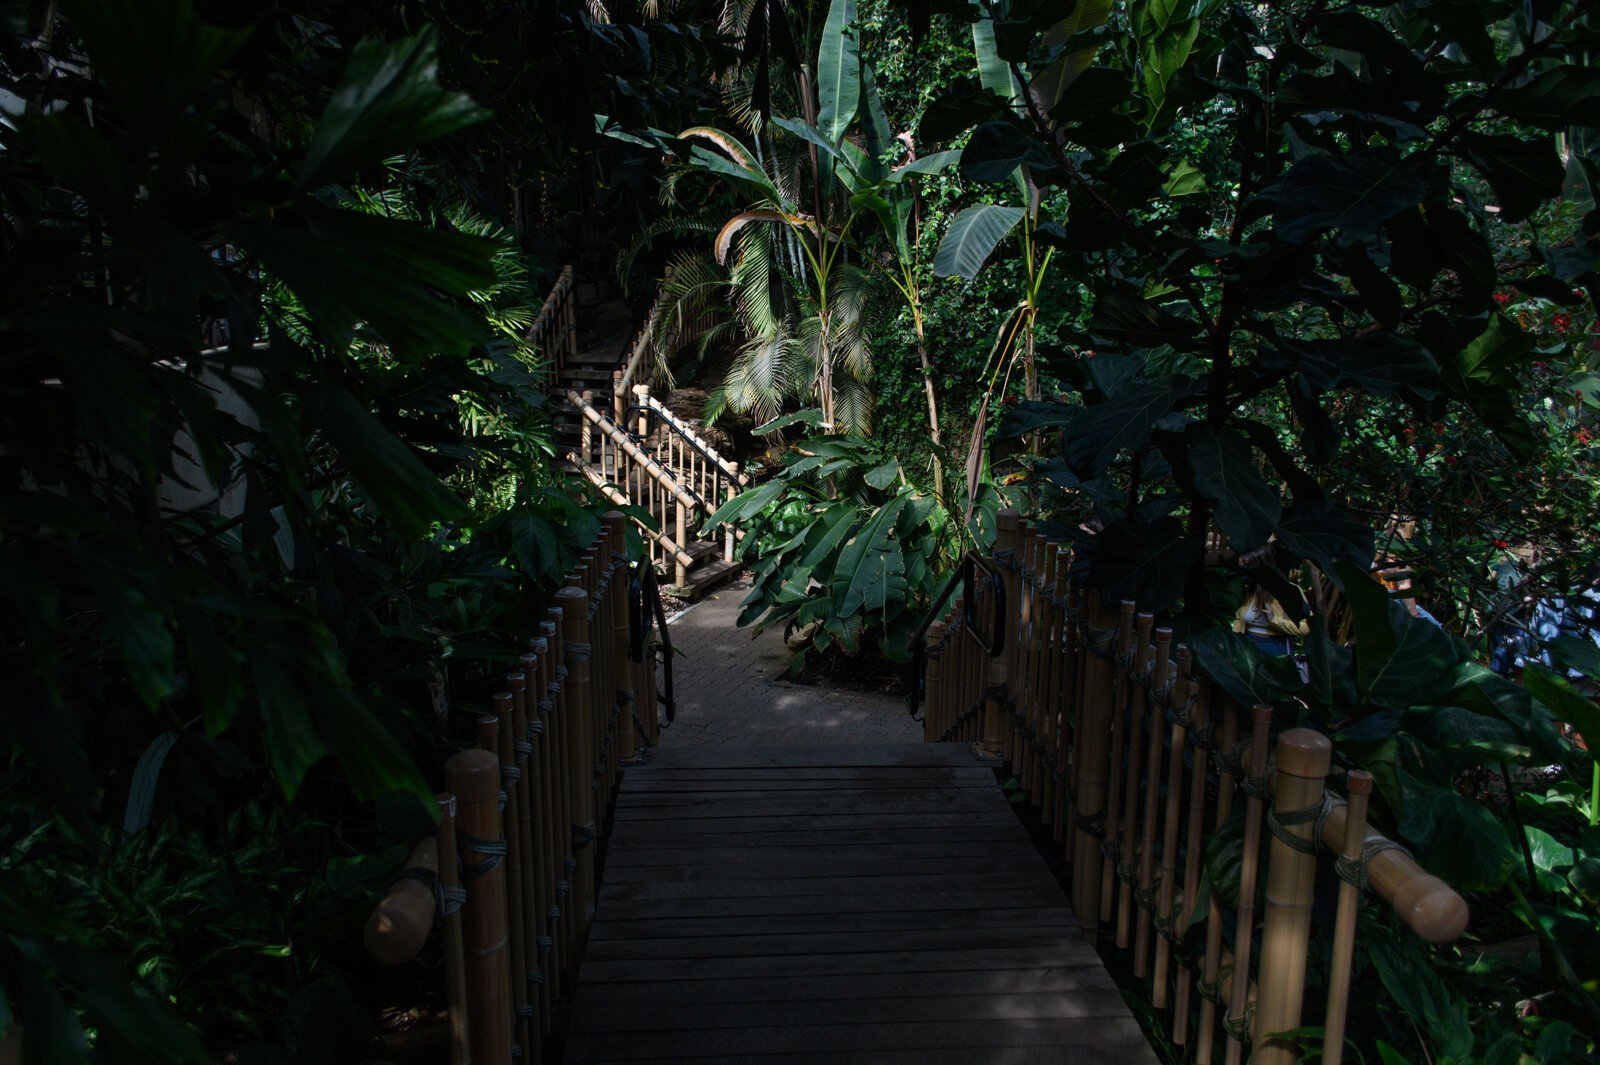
{"x":729,"y":689}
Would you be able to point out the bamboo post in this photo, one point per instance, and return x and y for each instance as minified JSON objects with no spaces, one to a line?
{"x":1359,"y":788}
{"x":1038,"y":620}
{"x":1164,"y":918}
{"x":1133,"y":785}
{"x":455,"y":977}
{"x":1122,"y":679}
{"x":551,"y":823}
{"x":1048,"y":650}
{"x":1199,"y":718}
{"x":1062,"y":698}
{"x":1145,"y":893}
{"x":510,"y":779}
{"x":1238,"y":1021}
{"x":619,"y":396}
{"x":1094,"y":741}
{"x":1211,"y":985}
{"x":580,"y":757}
{"x":996,"y":730}
{"x":641,"y":398}
{"x":534,"y":895}
{"x":1424,"y":903}
{"x":474,"y":777}
{"x":1303,"y":760}
{"x":932,"y":726}
{"x":402,"y":919}
{"x":732,"y":490}
{"x":586,"y":433}
{"x":1019,"y":610}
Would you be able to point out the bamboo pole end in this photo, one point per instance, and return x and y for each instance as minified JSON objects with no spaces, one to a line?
{"x":1304,"y":753}
{"x":1431,"y":908}
{"x":1360,"y":782}
{"x":473,"y":775}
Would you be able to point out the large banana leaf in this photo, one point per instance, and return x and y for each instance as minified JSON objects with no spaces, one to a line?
{"x":871,"y":569}
{"x":838,"y":71}
{"x":972,"y":238}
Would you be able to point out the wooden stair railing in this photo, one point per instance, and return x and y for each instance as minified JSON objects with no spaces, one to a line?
{"x":1135,"y":759}
{"x":663,"y":332}
{"x":555,"y":329}
{"x":510,"y":874}
{"x":677,"y":482}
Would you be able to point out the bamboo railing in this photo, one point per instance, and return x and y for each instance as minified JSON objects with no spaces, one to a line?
{"x":509,"y":878}
{"x":1135,"y":760}
{"x":555,"y":329}
{"x":663,"y":333}
{"x":669,"y":472}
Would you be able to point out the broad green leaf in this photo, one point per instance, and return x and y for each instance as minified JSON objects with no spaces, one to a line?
{"x":1166,"y":40}
{"x":1563,"y":96}
{"x":994,"y":73}
{"x":838,"y":71}
{"x":385,"y":469}
{"x":1400,"y":659}
{"x":1105,"y":429}
{"x":352,"y":269}
{"x":1123,"y":315}
{"x":1052,"y":83}
{"x":936,"y":163}
{"x":1145,"y":563}
{"x":373,"y":761}
{"x":1242,"y":669}
{"x":140,"y":630}
{"x":871,"y":569}
{"x":1574,"y":652}
{"x":1523,"y":173}
{"x":388,"y":101}
{"x":1226,"y":472}
{"x":1564,"y":701}
{"x":1318,"y":530}
{"x":1381,"y":363}
{"x":746,"y":504}
{"x":293,"y":745}
{"x":996,"y":149}
{"x":1352,"y":193}
{"x":883,"y":476}
{"x":1458,"y":839}
{"x":972,"y":238}
{"x":142,"y":788}
{"x":877,"y":142}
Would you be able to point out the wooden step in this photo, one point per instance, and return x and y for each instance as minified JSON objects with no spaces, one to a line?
{"x":705,"y":576}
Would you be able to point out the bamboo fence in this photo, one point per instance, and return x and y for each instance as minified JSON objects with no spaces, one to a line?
{"x":509,"y":877}
{"x":1136,"y":761}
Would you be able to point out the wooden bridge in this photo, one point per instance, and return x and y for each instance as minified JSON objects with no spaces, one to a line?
{"x":840,"y":904}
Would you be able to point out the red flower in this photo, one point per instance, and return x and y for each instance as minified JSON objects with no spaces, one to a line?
{"x":1502,"y":297}
{"x":1450,"y":460}
{"x":1500,"y":543}
{"x":1561,"y":321}
{"x":1581,"y":436}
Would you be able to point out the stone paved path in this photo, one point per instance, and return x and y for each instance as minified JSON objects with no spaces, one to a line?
{"x":730,"y":693}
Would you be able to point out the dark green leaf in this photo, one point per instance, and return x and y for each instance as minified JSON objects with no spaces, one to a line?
{"x":1523,"y":173}
{"x":1457,"y":838}
{"x":838,"y":71}
{"x":1226,"y":472}
{"x":996,"y":149}
{"x":1400,"y":659}
{"x":1319,"y":531}
{"x":389,"y":100}
{"x":972,"y":238}
{"x":1145,"y":563}
{"x":1563,"y":96}
{"x":1351,"y":193}
{"x":1101,"y":432}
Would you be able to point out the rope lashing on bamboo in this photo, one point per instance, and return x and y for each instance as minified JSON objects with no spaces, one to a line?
{"x":500,"y":796}
{"x":1007,"y":557}
{"x":510,"y":774}
{"x":447,"y":900}
{"x":547,"y":943}
{"x":569,"y":866}
{"x":524,"y":748}
{"x":1239,"y":1027}
{"x":1354,"y":871}
{"x":582,"y":836}
{"x":545,"y":707}
{"x":1278,"y":823}
{"x":578,"y":653}
{"x":535,"y":976}
{"x":1099,"y":643}
{"x":494,"y":851}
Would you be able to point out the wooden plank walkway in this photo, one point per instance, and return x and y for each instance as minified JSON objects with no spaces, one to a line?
{"x":835,"y":904}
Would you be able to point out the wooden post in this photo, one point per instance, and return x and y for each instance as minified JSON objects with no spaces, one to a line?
{"x":619,"y":397}
{"x":727,"y":530}
{"x":1303,"y":760}
{"x":932,"y":726}
{"x":628,"y":725}
{"x":641,"y":398}
{"x":1049,"y":693}
{"x":586,"y":434}
{"x":996,"y":729}
{"x":474,"y":777}
{"x":455,"y":975}
{"x":1344,"y":923}
{"x":516,"y":869}
{"x":1199,"y":716}
{"x":535,"y":895}
{"x":574,"y":602}
{"x":551,"y":825}
{"x":1091,"y":770}
{"x":1211,"y":984}
{"x":402,"y":919}
{"x":1147,"y":829}
{"x":1255,"y":777}
{"x":1123,"y":679}
{"x":1164,"y":918}
{"x":1134,"y":784}
{"x":1019,"y":620}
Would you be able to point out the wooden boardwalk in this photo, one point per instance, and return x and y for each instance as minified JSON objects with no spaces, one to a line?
{"x":835,"y":904}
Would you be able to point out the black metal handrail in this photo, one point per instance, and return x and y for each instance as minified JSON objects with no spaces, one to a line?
{"x":966,"y":577}
{"x":644,"y":610}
